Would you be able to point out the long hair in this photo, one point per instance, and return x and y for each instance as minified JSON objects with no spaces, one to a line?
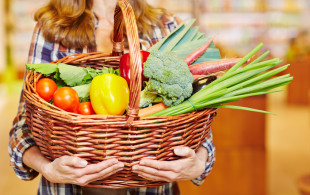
{"x":71,"y":22}
{"x":146,"y":15}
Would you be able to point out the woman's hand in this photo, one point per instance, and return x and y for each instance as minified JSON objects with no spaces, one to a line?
{"x":74,"y":170}
{"x":189,"y":167}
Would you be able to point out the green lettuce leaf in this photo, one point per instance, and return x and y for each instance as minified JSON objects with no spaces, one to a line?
{"x":82,"y":90}
{"x":45,"y":68}
{"x":72,"y":75}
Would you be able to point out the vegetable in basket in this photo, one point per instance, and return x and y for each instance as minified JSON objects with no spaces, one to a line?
{"x":46,"y":88}
{"x":85,"y":108}
{"x":148,"y":98}
{"x":201,"y":82}
{"x":109,"y":94}
{"x":169,"y":77}
{"x":152,"y":109}
{"x":124,"y":65}
{"x":210,"y":67}
{"x":67,"y":99}
{"x":185,"y":41}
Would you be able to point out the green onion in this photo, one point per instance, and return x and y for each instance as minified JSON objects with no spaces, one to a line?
{"x":260,"y":58}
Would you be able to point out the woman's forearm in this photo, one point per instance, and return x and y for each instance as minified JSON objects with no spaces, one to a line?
{"x":34,"y":159}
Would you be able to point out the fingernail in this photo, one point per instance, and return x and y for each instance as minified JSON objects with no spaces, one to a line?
{"x":114,"y":161}
{"x":142,"y":162}
{"x":83,"y":163}
{"x":178,"y":151}
{"x":135,"y":168}
{"x":120,"y":165}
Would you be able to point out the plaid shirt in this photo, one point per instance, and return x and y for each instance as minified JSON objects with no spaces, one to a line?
{"x":21,"y":138}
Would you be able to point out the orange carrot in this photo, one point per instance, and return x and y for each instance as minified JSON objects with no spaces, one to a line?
{"x":152,"y":109}
{"x":198,"y":52}
{"x":209,"y":67}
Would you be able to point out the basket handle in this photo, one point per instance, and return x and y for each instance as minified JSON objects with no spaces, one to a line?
{"x":126,"y":12}
{"x":118,"y":44}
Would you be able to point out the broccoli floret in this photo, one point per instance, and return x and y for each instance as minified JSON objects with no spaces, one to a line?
{"x":169,"y":77}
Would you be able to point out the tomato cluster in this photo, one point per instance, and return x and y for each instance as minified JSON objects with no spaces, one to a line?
{"x":65,"y":98}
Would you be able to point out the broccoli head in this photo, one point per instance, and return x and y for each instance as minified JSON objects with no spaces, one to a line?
{"x":169,"y":77}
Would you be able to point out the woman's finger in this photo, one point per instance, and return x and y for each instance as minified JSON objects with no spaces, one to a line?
{"x":97,"y":168}
{"x":72,"y":161}
{"x":185,"y":152}
{"x":163,"y":174}
{"x":162,"y":165}
{"x":153,"y":177}
{"x":85,"y":179}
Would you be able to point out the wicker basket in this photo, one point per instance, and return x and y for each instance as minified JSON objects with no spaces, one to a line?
{"x":129,"y":138}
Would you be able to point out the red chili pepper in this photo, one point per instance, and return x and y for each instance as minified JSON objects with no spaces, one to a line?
{"x":124,"y":65}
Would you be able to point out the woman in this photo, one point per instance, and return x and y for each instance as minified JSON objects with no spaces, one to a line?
{"x":73,"y":26}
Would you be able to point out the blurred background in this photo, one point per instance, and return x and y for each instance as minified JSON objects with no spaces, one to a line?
{"x":255,"y":153}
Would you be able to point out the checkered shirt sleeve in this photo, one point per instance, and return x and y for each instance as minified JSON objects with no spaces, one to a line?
{"x":20,"y":140}
{"x":208,"y":144}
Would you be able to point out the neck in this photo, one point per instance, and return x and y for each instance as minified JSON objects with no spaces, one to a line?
{"x":104,"y":9}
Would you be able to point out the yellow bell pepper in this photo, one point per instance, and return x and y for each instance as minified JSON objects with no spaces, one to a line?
{"x":109,"y":94}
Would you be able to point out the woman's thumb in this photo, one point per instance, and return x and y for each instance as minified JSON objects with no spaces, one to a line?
{"x":74,"y":161}
{"x":184,"y":151}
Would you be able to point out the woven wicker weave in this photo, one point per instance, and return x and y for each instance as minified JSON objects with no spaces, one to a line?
{"x":129,"y":138}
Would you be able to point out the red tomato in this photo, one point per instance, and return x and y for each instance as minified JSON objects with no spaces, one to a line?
{"x":67,"y":99}
{"x":86,"y":108}
{"x":124,"y":65}
{"x":46,"y":88}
